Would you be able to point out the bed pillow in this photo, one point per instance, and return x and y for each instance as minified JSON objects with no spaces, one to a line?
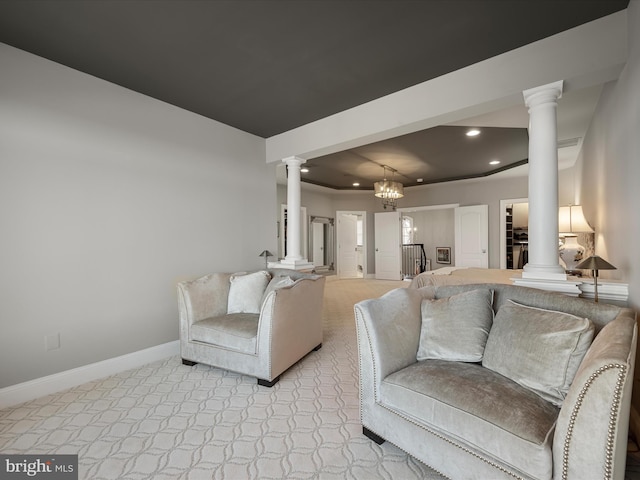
{"x":245,"y":292}
{"x":538,"y":349}
{"x":456,"y":328}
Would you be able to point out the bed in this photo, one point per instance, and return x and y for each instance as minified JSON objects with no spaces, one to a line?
{"x":463,"y":275}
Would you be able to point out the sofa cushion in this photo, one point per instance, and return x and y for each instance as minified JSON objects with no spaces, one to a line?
{"x":245,"y":292}
{"x":476,"y":408}
{"x":539,"y":349}
{"x":456,"y":328}
{"x":237,"y":331}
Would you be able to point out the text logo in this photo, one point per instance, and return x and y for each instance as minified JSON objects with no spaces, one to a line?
{"x":50,"y":467}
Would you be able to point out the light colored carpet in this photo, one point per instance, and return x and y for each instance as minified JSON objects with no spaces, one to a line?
{"x":169,"y":421}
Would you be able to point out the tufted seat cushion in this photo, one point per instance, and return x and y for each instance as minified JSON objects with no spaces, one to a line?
{"x":499,"y":417}
{"x":236,"y":331}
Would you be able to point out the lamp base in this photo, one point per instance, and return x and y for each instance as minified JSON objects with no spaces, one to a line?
{"x":571,"y":253}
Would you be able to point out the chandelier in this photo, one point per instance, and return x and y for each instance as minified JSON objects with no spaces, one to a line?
{"x":388,"y":190}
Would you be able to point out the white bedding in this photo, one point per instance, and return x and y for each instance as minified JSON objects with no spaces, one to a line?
{"x":462,"y":275}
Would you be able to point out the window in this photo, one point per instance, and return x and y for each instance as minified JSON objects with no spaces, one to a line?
{"x":407,"y":230}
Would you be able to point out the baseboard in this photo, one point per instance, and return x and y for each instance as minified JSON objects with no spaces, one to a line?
{"x":23,"y":392}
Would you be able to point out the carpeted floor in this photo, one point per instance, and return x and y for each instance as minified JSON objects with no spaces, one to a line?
{"x":169,"y":421}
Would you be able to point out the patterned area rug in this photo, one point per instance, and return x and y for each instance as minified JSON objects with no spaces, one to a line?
{"x":169,"y":421}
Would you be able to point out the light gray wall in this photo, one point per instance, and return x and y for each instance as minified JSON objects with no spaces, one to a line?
{"x":608,"y":183}
{"x":107,"y":199}
{"x":316,"y":203}
{"x":435,"y":228}
{"x":486,"y":190}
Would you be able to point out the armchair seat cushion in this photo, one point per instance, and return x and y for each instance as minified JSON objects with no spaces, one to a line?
{"x":235,"y":331}
{"x":476,"y":407}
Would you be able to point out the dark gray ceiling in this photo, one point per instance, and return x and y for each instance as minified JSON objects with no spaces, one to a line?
{"x":438,"y":154}
{"x":266,"y":67}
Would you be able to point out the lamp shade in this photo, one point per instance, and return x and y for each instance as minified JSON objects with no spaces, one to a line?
{"x":266,"y":253}
{"x":595,"y":262}
{"x":388,"y":189}
{"x":571,"y":220}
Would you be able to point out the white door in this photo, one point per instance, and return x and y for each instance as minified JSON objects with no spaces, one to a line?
{"x":347,"y":245}
{"x":472,"y":236}
{"x":318,"y":244}
{"x":388,"y":246}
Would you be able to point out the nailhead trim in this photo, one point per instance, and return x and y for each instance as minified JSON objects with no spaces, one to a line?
{"x":451,"y":442}
{"x":613,"y":418}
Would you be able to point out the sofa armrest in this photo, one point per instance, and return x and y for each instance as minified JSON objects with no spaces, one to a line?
{"x":290,"y":324}
{"x":591,"y":433}
{"x":203,"y":297}
{"x":388,"y":331}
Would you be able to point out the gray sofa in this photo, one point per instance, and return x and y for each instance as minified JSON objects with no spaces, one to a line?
{"x":261,"y":338}
{"x":466,"y":420}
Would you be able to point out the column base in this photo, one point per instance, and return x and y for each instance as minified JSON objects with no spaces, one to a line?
{"x":300,"y":265}
{"x":544,"y":272}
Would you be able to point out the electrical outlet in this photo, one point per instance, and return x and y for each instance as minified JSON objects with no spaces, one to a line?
{"x":52,"y":342}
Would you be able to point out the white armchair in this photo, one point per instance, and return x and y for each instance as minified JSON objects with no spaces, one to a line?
{"x":263,"y":345}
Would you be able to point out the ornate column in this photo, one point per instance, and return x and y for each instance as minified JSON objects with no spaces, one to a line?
{"x":544,"y":269}
{"x":293,"y":259}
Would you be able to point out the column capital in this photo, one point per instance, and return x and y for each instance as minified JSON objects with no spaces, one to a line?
{"x":543,"y":94}
{"x":291,"y":161}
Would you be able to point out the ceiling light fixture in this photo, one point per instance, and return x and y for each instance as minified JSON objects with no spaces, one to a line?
{"x":304,"y":170}
{"x":356,"y":184}
{"x":473,"y":132}
{"x":494,"y":162}
{"x":388,"y":190}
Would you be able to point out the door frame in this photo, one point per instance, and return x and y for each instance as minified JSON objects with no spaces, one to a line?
{"x":360,"y":213}
{"x":429,"y":207}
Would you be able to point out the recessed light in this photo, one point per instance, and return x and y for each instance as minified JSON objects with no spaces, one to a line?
{"x":473,"y":132}
{"x":356,"y":184}
{"x":419,"y":180}
{"x":494,"y":162}
{"x":304,"y":170}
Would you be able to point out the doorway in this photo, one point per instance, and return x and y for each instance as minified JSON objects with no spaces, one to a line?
{"x":351,"y":242}
{"x":433,"y":230}
{"x":321,"y":243}
{"x":514,"y":243}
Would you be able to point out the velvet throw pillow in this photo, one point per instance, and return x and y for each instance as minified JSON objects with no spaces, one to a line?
{"x":456,"y":328}
{"x":245,"y":292}
{"x":539,"y":349}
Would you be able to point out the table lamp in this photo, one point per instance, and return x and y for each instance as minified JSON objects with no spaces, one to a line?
{"x":595,"y":263}
{"x":266,"y":254}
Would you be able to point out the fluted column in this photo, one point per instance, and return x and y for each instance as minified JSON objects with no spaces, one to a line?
{"x":543,"y":183}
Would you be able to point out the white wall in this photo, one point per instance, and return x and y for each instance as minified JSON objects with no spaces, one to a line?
{"x":608,"y":183}
{"x":107,"y":199}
